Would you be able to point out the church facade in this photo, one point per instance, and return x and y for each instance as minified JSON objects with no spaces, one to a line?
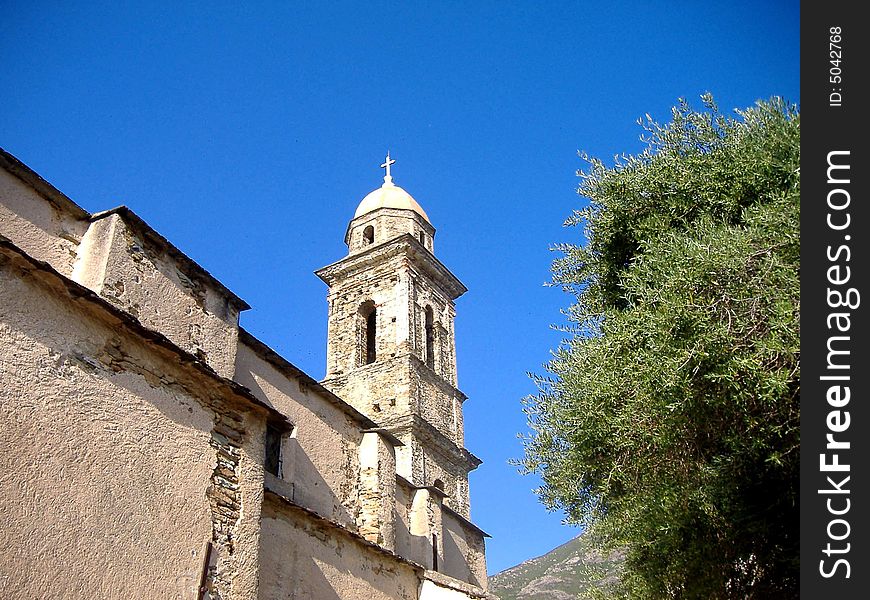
{"x":150,"y":447}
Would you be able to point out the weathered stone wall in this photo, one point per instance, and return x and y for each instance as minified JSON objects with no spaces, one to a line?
{"x":441,"y":467}
{"x":398,"y":382}
{"x":424,"y":293}
{"x":108,"y":459}
{"x":380,"y":390}
{"x":37,"y":226}
{"x":387,"y":224}
{"x":377,"y":474}
{"x":235,"y":495}
{"x":385,"y":286}
{"x":305,"y":559}
{"x":438,"y":402}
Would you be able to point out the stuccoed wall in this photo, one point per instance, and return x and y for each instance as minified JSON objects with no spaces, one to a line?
{"x":321,"y":459}
{"x":119,"y":260}
{"x":37,"y":226}
{"x":406,"y":545}
{"x":106,"y":457}
{"x":463,"y":551}
{"x":306,"y":559}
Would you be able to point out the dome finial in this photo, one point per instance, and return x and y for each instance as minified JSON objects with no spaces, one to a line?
{"x":388,"y":180}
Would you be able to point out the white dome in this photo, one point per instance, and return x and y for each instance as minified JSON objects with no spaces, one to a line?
{"x":389,"y":196}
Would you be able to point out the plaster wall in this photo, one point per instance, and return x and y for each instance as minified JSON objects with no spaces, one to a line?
{"x":321,"y":455}
{"x":405,"y":544}
{"x":463,"y":551}
{"x":125,"y":460}
{"x":104,"y":472}
{"x":135,"y":274}
{"x":37,"y":226}
{"x":302,"y":558}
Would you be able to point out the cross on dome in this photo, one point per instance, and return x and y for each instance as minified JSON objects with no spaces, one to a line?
{"x":386,"y":165}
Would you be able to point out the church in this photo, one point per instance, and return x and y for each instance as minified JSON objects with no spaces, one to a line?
{"x":153,"y":448}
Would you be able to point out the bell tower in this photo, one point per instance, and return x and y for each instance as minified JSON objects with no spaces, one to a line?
{"x":391,"y":350}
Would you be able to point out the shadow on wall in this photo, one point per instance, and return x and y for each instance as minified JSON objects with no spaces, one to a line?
{"x":416,"y":548}
{"x":310,"y":488}
{"x":300,"y":558}
{"x":455,"y":563}
{"x":120,"y":434}
{"x":316,"y":584}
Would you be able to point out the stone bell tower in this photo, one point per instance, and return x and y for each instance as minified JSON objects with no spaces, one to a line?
{"x":391,"y":347}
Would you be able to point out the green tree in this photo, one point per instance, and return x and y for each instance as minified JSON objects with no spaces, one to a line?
{"x":669,"y":423}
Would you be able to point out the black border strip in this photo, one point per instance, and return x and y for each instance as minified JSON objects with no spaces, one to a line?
{"x":834,"y":257}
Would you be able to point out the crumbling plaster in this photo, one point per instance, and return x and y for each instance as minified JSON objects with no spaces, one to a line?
{"x":113,"y":441}
{"x":121,"y":259}
{"x":39,"y":227}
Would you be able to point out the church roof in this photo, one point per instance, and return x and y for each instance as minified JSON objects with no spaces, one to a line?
{"x":389,"y":195}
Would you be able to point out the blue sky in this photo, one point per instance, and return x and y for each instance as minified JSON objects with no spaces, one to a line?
{"x":248,"y":134}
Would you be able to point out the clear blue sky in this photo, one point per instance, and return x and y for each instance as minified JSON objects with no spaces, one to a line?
{"x":248,"y":134}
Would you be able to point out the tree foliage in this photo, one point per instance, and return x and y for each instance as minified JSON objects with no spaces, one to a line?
{"x":669,"y":422}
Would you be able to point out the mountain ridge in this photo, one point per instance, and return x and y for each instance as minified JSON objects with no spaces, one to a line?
{"x":567,"y":572}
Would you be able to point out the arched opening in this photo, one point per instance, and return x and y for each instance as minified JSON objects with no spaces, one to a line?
{"x":423,"y":238}
{"x":368,"y":333}
{"x":430,"y":337}
{"x":368,"y":235}
{"x":439,"y":484}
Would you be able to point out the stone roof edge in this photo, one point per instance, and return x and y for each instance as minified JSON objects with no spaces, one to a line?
{"x":470,"y":590}
{"x":132,"y":323}
{"x":401,"y":480}
{"x":421,"y":423}
{"x":41,"y":186}
{"x":436,"y":577}
{"x":151,"y":234}
{"x":465,"y":522}
{"x":287,"y":368}
{"x":284,"y":500}
{"x":415,"y":421}
{"x":437,"y":491}
{"x":440,"y":381}
{"x":394,"y":246}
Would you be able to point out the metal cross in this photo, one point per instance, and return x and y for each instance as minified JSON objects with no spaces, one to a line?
{"x":387,"y":164}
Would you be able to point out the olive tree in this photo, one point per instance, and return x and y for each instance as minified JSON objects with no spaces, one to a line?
{"x":669,"y":421}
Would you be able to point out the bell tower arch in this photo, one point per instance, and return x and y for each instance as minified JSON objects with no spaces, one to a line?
{"x":391,"y":349}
